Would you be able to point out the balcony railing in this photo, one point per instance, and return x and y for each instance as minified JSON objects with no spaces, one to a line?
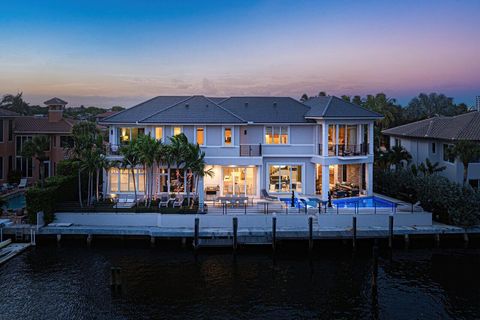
{"x":342,"y":150}
{"x":250,"y":150}
{"x":112,"y":149}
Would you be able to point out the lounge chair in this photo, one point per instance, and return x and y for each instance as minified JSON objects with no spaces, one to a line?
{"x":7,"y":186}
{"x":178,"y":202}
{"x":125,"y":202}
{"x":164,"y":200}
{"x":22,"y":184}
{"x":266,"y":196}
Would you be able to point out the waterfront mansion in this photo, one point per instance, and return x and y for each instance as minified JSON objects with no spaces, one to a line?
{"x":252,"y":144}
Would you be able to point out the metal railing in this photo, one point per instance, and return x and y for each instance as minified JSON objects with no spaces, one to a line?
{"x":342,"y":150}
{"x":250,"y":150}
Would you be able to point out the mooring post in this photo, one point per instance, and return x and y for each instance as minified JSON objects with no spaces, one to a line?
{"x":354,"y":232}
{"x":115,"y":278}
{"x":89,"y":240}
{"x":274,"y":232}
{"x":59,"y":238}
{"x":196,"y":233}
{"x":407,"y":241}
{"x":310,"y":233}
{"x":437,"y":240}
{"x":235,"y":229}
{"x":390,"y":231}
{"x":152,"y":241}
{"x":375,"y":266}
{"x":465,"y":240}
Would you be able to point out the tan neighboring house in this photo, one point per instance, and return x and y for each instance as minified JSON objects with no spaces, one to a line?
{"x":7,"y":143}
{"x":55,"y":126}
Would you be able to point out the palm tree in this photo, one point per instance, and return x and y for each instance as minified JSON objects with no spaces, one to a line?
{"x":178,"y":150}
{"x":429,"y":168}
{"x":397,"y":155}
{"x":37,"y":148}
{"x":466,"y":151}
{"x":147,"y":149}
{"x":85,"y":136}
{"x":130,"y":161}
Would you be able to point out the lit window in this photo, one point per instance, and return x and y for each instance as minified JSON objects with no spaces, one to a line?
{"x":159,"y":133}
{"x":227,"y":136}
{"x":200,"y":136}
{"x":177,"y":130}
{"x":276,"y":135}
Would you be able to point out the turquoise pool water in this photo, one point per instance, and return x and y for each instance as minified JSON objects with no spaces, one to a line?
{"x":363,"y":202}
{"x":359,"y":202}
{"x":16,"y":201}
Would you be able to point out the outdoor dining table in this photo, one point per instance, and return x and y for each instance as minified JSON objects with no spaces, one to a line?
{"x":232,"y":201}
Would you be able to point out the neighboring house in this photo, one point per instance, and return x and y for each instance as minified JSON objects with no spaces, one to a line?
{"x":55,"y":126}
{"x":430,"y":139}
{"x":7,"y":143}
{"x":101,"y":116}
{"x":254,"y":143}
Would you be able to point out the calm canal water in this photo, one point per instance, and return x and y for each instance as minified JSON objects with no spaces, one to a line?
{"x":73,"y":282}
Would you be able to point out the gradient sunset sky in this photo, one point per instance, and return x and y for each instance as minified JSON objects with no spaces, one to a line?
{"x":123,"y":52}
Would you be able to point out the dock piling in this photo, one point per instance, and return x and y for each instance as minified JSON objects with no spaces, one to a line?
{"x":59,"y":238}
{"x":274,"y":233}
{"x":354,"y":232}
{"x":235,"y":230}
{"x":390,"y":231}
{"x":196,"y":232}
{"x":407,"y":241}
{"x":89,"y":240}
{"x":116,"y":278}
{"x":152,"y":241}
{"x":437,"y":240}
{"x":310,"y":233}
{"x":465,"y":240}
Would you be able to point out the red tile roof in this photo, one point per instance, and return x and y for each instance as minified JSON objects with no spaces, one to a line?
{"x":42,"y":125}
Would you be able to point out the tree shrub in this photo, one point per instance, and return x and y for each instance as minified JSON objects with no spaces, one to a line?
{"x":448,"y":202}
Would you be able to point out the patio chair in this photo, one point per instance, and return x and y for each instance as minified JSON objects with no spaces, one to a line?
{"x":266,"y":196}
{"x":126,"y":202}
{"x":164,"y":200}
{"x":7,"y":186}
{"x":178,"y":202}
{"x":22,"y":184}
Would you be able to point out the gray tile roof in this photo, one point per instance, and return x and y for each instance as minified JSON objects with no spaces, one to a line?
{"x":8,"y":113}
{"x":196,"y":109}
{"x":267,"y":109}
{"x":462,"y":127}
{"x":55,"y":101}
{"x":334,"y":107}
{"x":173,"y":109}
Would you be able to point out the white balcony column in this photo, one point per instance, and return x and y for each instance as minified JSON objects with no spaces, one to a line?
{"x":201,"y":195}
{"x":336,"y":139}
{"x":325,"y":182}
{"x":325,"y":139}
{"x":369,"y":173}
{"x":113,"y":135}
{"x":370,"y":138}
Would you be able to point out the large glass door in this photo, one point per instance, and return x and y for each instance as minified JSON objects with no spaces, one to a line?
{"x":239,"y":181}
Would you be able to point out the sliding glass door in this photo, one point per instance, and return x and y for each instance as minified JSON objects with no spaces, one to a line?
{"x":239,"y":181}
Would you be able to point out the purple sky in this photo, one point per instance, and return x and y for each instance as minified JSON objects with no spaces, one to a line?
{"x":121,"y":52}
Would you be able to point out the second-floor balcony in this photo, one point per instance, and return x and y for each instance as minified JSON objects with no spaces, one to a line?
{"x":250,"y":150}
{"x":342,"y":150}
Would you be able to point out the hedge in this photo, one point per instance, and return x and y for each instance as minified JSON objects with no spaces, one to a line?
{"x":449,"y":202}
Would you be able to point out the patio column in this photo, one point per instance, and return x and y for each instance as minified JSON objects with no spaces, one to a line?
{"x":370,"y":138}
{"x":325,"y":139}
{"x":369,"y":173}
{"x":201,"y":195}
{"x":325,"y":182}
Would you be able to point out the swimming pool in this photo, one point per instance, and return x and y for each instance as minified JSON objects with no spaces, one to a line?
{"x":358,"y":202}
{"x":16,"y":201}
{"x":363,"y":202}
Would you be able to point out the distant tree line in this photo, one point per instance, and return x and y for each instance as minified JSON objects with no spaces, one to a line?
{"x":16,"y":104}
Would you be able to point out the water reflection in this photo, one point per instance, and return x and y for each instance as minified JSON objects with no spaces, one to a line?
{"x":74,"y":282}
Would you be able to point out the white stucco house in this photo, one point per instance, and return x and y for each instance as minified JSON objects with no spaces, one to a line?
{"x":430,"y":138}
{"x":252,"y":143}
